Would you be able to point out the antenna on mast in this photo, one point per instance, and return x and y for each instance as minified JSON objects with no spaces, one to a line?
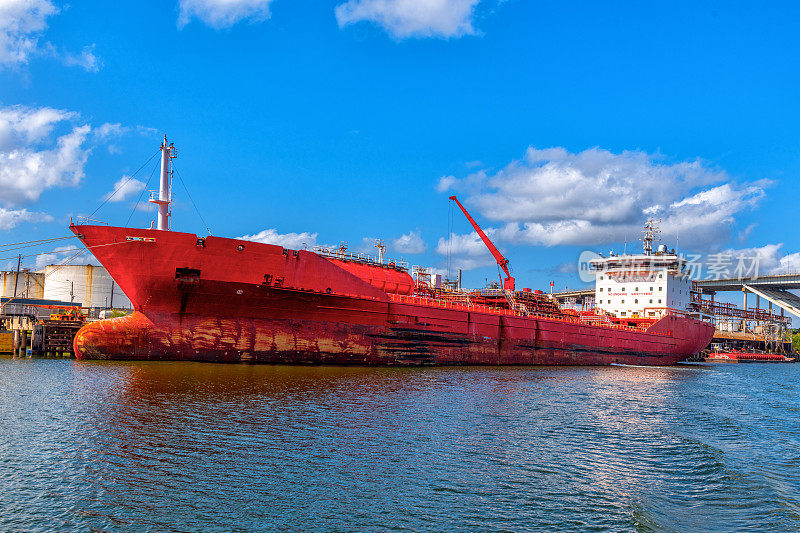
{"x":163,"y":196}
{"x":651,"y":231}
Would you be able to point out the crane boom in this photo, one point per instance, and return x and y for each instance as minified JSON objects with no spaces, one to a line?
{"x":508,"y":283}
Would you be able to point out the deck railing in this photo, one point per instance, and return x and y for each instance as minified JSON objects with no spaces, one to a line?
{"x":589,"y":320}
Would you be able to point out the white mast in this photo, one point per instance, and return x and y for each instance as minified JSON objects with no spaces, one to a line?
{"x":164,"y":196}
{"x":381,"y":247}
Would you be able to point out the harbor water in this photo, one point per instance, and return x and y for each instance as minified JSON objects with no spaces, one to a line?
{"x":207,"y":447}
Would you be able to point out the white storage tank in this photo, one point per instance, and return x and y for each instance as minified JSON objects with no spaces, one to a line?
{"x":89,"y":285}
{"x":29,"y":285}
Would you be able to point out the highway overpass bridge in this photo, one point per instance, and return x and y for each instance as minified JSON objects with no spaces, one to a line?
{"x":774,"y":289}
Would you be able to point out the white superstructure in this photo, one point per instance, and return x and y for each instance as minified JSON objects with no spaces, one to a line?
{"x":643,"y":286}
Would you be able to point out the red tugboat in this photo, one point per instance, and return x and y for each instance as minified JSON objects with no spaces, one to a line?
{"x":736,"y":356}
{"x":228,"y":300}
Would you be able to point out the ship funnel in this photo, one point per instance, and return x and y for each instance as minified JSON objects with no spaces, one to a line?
{"x":163,"y":196}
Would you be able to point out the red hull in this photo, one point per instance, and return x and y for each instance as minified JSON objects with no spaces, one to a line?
{"x":222,"y":299}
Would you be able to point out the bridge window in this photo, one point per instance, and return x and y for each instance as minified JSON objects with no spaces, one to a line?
{"x":637,"y":289}
{"x":636,"y":301}
{"x":651,"y":301}
{"x":623,"y":301}
{"x":659,"y":300}
{"x":623,"y":313}
{"x":651,"y":289}
{"x":601,"y":289}
{"x":661,"y":289}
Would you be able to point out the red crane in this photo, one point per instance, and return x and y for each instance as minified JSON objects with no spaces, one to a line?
{"x":508,"y":283}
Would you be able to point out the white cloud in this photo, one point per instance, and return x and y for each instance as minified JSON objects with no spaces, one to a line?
{"x":123,"y":189}
{"x":410,"y":243}
{"x":146,"y":131}
{"x":445,"y":182}
{"x":467,"y":251}
{"x":22,"y":125}
{"x":11,"y":218}
{"x":788,"y":264}
{"x":412,"y":18}
{"x":30,"y":161}
{"x":221,"y":14}
{"x":68,"y":255}
{"x":86,"y":59}
{"x":469,"y":244}
{"x":294,"y":241}
{"x":554,"y":197}
{"x":22,"y":23}
{"x":760,"y":260}
{"x":744,"y":234}
{"x":110,"y":130}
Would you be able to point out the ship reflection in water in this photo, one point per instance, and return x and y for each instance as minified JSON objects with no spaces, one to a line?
{"x":190,"y":446}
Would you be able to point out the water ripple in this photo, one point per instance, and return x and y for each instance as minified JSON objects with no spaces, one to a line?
{"x":185,"y":446}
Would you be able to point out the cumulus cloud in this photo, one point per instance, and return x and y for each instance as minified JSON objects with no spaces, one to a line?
{"x":412,"y":18}
{"x":22,"y":23}
{"x":63,"y":255}
{"x":110,"y":130}
{"x":747,"y":262}
{"x":31,"y":161}
{"x":22,"y":125}
{"x":410,"y":243}
{"x":220,"y":14}
{"x":123,"y":189}
{"x":466,"y":251}
{"x":11,"y":218}
{"x":294,"y":241}
{"x":469,"y":244}
{"x":553,"y":197}
{"x":445,"y":182}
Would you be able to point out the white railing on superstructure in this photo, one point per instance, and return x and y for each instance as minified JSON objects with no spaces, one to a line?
{"x":344,"y":255}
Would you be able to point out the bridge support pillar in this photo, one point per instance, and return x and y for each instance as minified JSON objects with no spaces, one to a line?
{"x":744,"y":307}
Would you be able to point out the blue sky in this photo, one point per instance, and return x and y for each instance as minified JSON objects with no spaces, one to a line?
{"x":561,"y":125}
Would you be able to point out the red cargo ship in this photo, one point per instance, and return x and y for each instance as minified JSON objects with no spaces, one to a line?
{"x":229,"y":300}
